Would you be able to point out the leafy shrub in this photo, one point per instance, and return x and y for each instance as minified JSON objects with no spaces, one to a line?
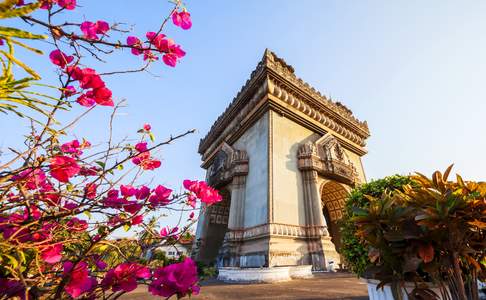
{"x":354,"y":252}
{"x":432,"y":231}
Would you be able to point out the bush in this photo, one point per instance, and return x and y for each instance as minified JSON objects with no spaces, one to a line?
{"x":353,"y":251}
{"x":431,"y":232}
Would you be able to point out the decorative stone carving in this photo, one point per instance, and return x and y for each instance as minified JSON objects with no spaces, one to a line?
{"x":227,"y":164}
{"x":328,"y":158}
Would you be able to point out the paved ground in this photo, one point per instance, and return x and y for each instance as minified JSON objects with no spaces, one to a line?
{"x":322,"y":286}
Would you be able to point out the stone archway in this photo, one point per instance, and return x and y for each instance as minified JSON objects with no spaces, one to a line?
{"x":217,"y":225}
{"x":333,"y":196}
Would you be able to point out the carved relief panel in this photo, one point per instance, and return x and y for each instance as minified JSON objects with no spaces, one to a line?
{"x":328,"y":158}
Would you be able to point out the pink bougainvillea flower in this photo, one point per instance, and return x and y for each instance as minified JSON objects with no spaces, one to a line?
{"x":124,"y":277}
{"x":191,"y":200}
{"x":67,"y":4}
{"x":88,"y":78}
{"x":202,"y":191}
{"x":20,"y":3}
{"x":147,"y":127}
{"x":141,"y":147}
{"x":2,"y":42}
{"x":74,"y":72}
{"x":73,"y":147}
{"x":69,"y":91}
{"x":32,"y":178}
{"x":136,"y":43}
{"x":70,"y":205}
{"x":85,"y":100}
{"x":166,"y":231}
{"x":127,"y":190}
{"x":102,"y":27}
{"x":102,"y":96}
{"x":170,"y":59}
{"x":145,"y":161}
{"x":174,"y":53}
{"x":76,"y":224}
{"x":52,"y":254}
{"x":60,"y":59}
{"x":137,"y":220}
{"x":161,"y":196}
{"x":191,"y":216}
{"x":90,"y":190}
{"x":88,"y":171}
{"x":100,"y":264}
{"x":63,"y":167}
{"x":142,"y":193}
{"x":163,"y":44}
{"x":182,"y":19}
{"x":91,"y":30}
{"x":79,"y":281}
{"x":180,"y":279}
{"x":149,"y":55}
{"x":132,"y":207}
{"x":113,"y":201}
{"x":154,"y":38}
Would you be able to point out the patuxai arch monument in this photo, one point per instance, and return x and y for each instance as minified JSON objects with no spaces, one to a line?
{"x":284,"y":158}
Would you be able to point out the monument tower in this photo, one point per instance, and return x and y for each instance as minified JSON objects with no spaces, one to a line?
{"x":284,"y":157}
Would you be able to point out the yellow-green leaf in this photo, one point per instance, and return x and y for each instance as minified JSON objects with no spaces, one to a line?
{"x":21,"y":11}
{"x":21,"y":64}
{"x":14,"y":32}
{"x":6,"y":5}
{"x":26,"y":46}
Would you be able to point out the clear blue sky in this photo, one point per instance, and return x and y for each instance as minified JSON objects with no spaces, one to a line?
{"x":415,"y":70}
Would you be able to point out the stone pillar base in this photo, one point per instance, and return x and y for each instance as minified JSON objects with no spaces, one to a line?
{"x":330,"y":253}
{"x":323,"y":252}
{"x":264,"y":275}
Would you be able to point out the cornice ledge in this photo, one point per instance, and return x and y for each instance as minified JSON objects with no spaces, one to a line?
{"x":290,"y":97}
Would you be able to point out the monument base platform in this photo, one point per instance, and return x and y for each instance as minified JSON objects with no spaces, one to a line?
{"x":273,"y":274}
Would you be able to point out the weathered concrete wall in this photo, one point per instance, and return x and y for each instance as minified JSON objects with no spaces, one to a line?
{"x":288,"y":195}
{"x":255,"y":142}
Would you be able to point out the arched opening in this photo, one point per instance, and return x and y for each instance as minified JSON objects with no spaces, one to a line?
{"x":217,"y":225}
{"x":333,"y":196}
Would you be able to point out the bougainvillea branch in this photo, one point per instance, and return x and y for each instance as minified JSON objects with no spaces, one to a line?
{"x":62,"y":200}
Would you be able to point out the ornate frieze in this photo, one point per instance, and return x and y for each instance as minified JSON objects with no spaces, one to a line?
{"x":328,"y":158}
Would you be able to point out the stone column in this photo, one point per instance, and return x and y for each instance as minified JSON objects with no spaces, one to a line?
{"x":236,"y":221}
{"x":318,"y":236}
{"x":237,"y":208}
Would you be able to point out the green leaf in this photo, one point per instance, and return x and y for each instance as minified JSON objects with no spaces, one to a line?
{"x":88,"y":214}
{"x":12,"y":260}
{"x":101,"y":164}
{"x":126,"y":227}
{"x":119,"y":167}
{"x":152,"y":137}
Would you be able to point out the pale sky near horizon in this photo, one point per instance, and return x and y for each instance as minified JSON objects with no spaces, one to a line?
{"x":415,"y":70}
